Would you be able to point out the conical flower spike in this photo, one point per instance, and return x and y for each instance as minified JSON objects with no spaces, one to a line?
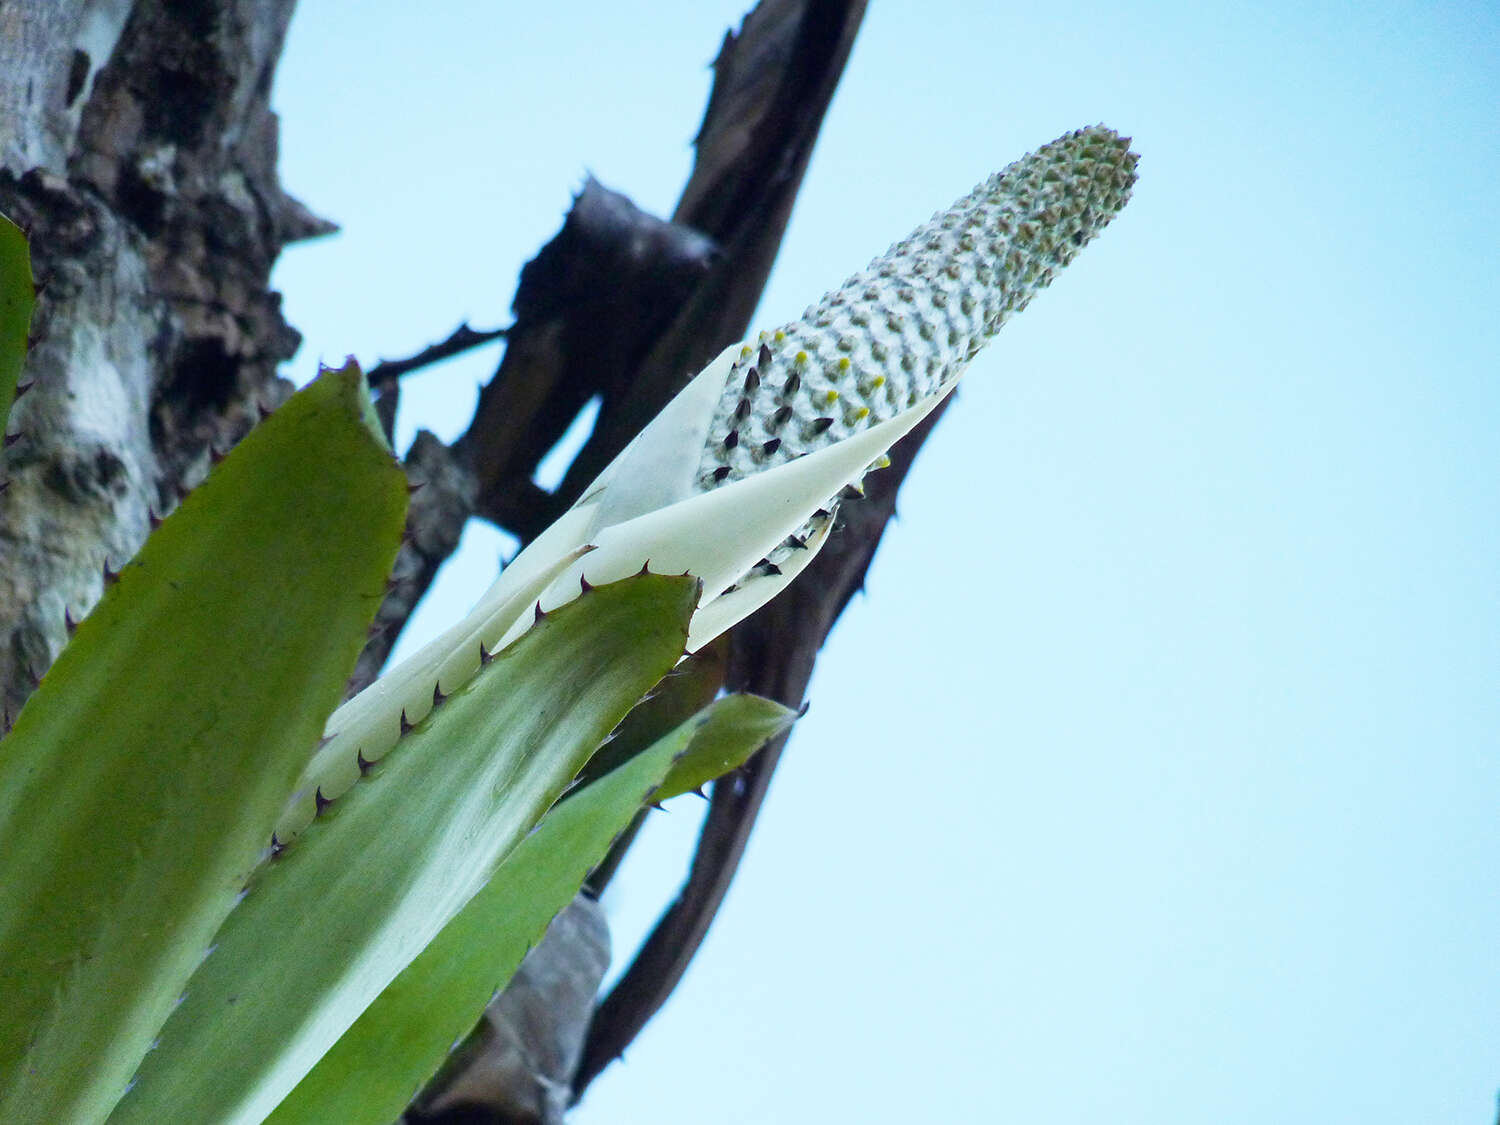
{"x":735,"y":480}
{"x":908,"y":324}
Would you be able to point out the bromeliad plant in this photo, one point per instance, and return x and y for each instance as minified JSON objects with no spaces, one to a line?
{"x":160,"y":962}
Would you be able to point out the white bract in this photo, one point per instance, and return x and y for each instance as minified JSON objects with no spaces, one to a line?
{"x":735,"y":481}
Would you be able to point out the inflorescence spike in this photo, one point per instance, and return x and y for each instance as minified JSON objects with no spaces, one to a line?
{"x":906,"y":326}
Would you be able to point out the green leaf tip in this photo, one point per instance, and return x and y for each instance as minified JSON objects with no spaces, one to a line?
{"x":17,"y":301}
{"x":726,"y":736}
{"x":353,"y":392}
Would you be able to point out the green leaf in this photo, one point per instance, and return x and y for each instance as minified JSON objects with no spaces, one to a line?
{"x":363,"y":730}
{"x":682,"y":693}
{"x":689,"y":688}
{"x":17,"y":297}
{"x":331,"y":922}
{"x":739,"y":725}
{"x":400,"y":1040}
{"x":143,"y":776}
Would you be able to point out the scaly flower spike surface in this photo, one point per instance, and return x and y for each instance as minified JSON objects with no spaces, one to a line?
{"x":904,"y":329}
{"x":736,"y":479}
{"x":907,"y":325}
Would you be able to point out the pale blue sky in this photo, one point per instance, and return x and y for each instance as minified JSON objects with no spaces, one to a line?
{"x":1155,"y":779}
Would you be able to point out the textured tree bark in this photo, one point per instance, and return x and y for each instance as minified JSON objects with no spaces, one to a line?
{"x":138,"y":146}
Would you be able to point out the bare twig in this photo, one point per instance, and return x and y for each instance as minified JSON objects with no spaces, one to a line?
{"x":386,"y":405}
{"x":463,"y":339}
